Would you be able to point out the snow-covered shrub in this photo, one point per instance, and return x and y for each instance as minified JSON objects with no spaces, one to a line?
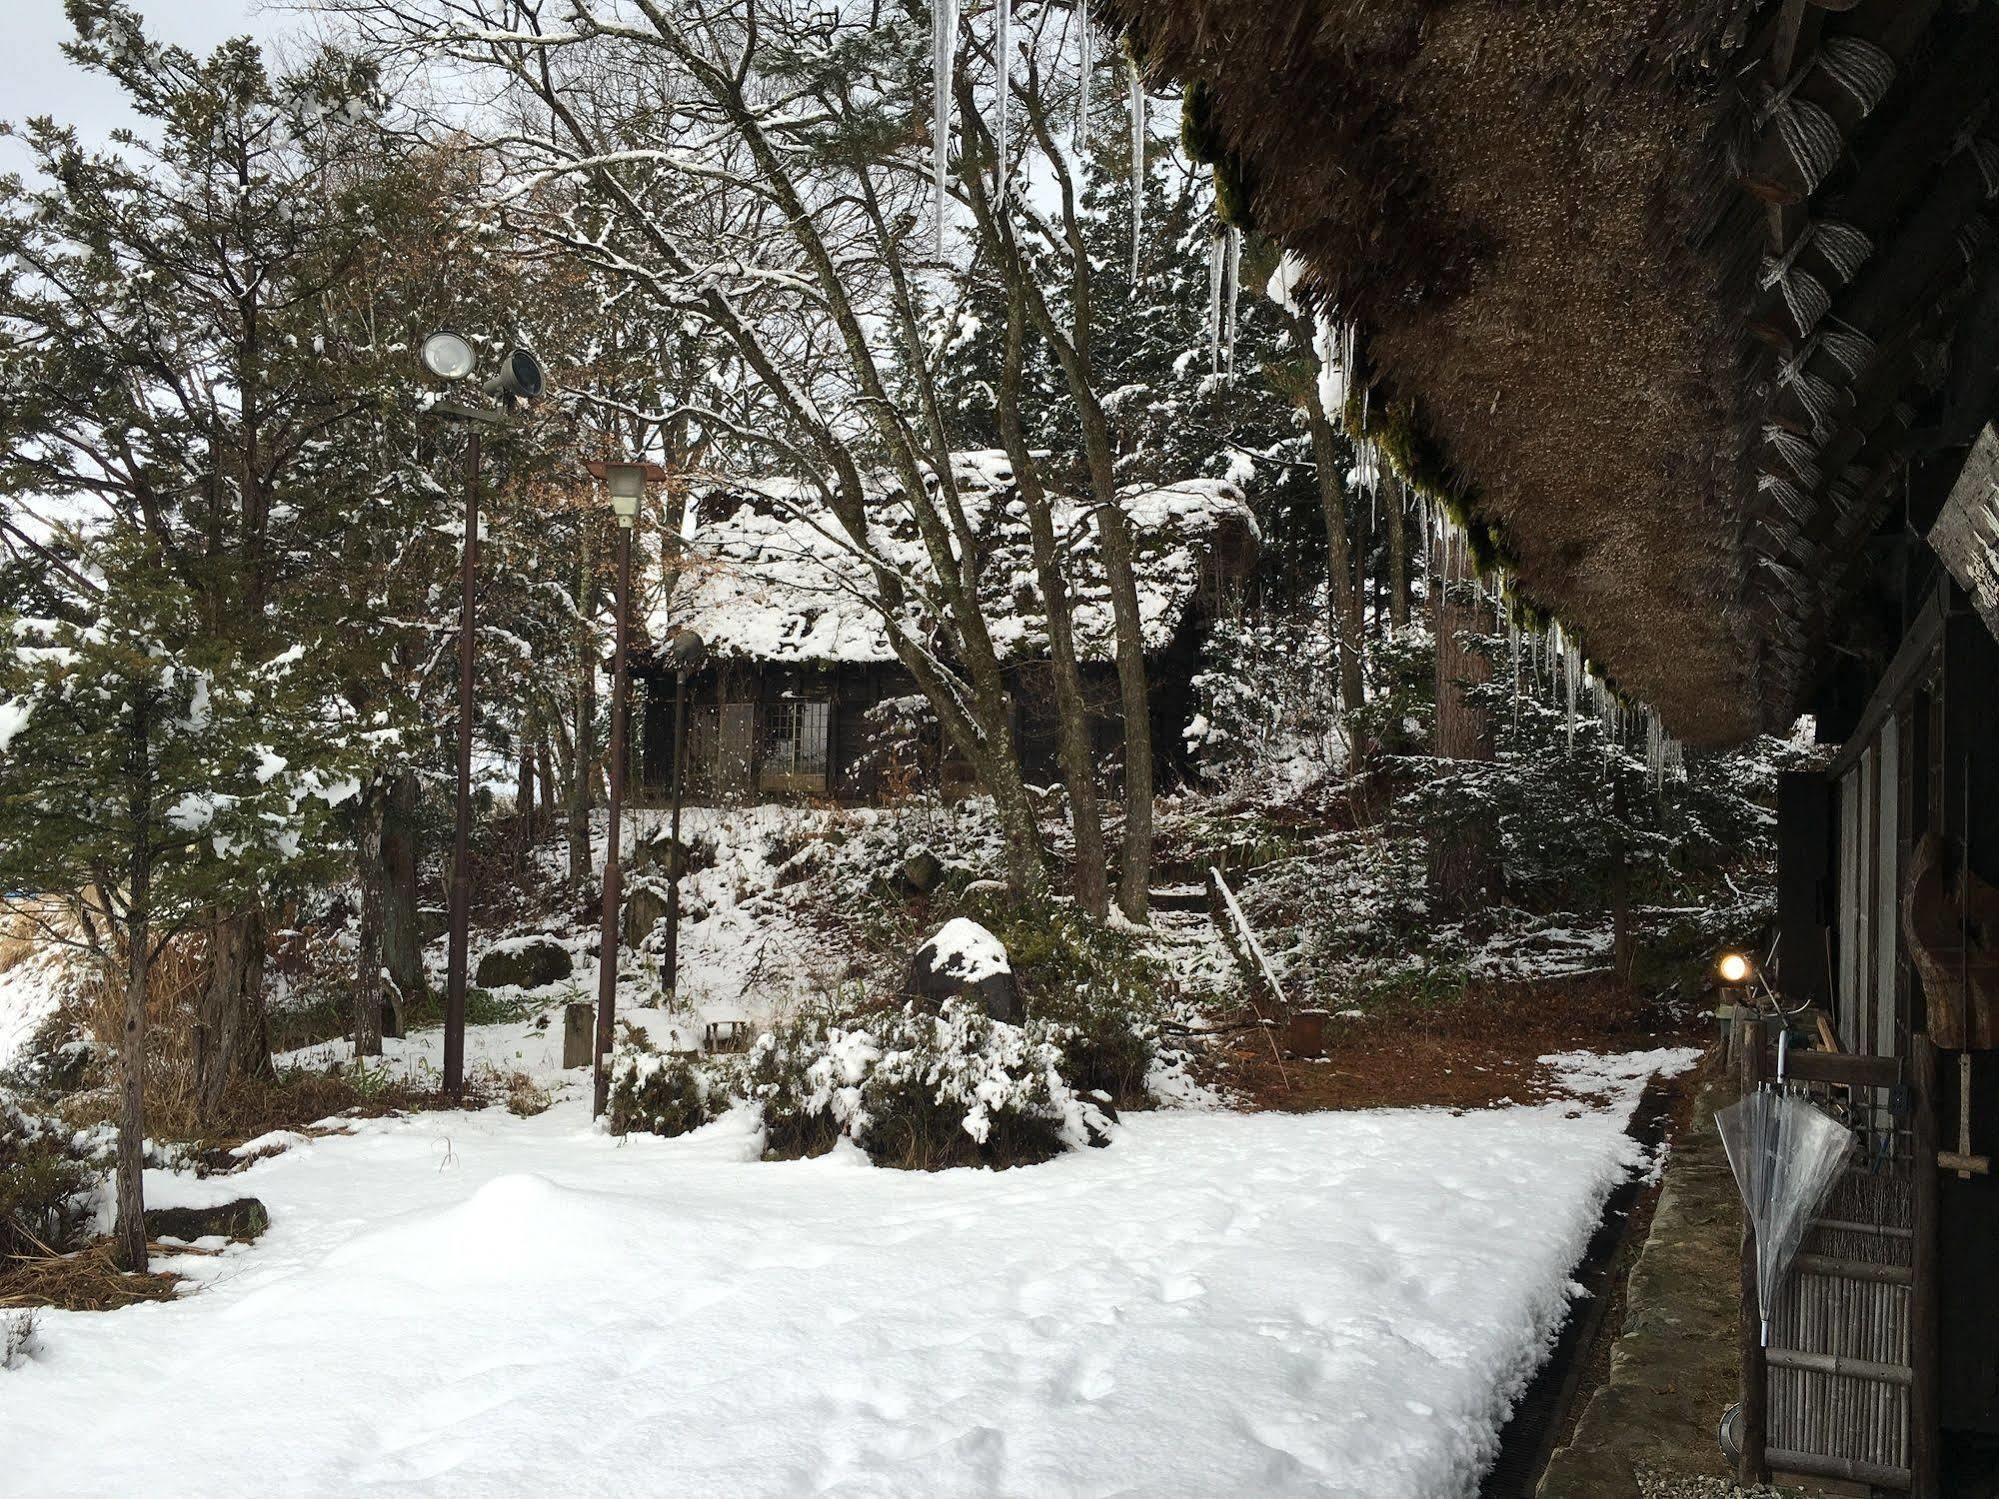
{"x":655,"y":1094}
{"x":922,"y":1091}
{"x":46,"y":1177}
{"x":1267,"y":710}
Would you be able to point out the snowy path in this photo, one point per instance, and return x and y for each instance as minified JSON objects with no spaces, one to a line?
{"x":1335,"y":1304}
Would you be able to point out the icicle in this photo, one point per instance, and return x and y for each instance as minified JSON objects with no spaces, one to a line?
{"x":1572,"y":672}
{"x":944,"y":49}
{"x":1232,"y":298}
{"x":1002,"y":106}
{"x":1655,"y":749}
{"x":1137,"y":163}
{"x":1513,"y":635}
{"x":1217,"y":273}
{"x":1086,"y":65}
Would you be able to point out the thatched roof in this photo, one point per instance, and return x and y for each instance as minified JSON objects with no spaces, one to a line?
{"x":1660,"y":292}
{"x":768,"y":574}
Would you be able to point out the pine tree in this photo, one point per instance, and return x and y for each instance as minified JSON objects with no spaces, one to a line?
{"x":138,"y":779}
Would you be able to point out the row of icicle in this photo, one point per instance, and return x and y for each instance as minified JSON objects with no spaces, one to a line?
{"x":1535,"y":649}
{"x":1552,"y":656}
{"x":1225,"y":250}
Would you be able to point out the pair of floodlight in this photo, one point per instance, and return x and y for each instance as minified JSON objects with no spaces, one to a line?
{"x":450,"y":357}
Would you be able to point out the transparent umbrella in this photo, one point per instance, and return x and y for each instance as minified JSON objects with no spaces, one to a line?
{"x":1786,"y":1155}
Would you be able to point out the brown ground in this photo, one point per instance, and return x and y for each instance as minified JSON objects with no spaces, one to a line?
{"x":1472,"y":1053}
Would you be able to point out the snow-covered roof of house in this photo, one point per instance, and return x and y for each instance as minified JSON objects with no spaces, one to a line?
{"x":770,"y":574}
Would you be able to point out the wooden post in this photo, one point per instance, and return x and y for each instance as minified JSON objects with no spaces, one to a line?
{"x":1755,"y":1390}
{"x":1925,"y":1334}
{"x":578,"y":1028}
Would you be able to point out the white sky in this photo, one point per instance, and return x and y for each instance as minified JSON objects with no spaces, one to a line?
{"x":36,"y":79}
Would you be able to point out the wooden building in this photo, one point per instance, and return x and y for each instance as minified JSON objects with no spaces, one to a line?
{"x":802,"y":696}
{"x":1689,"y":311}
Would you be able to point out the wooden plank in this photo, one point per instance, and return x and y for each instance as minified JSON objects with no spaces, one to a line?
{"x":1814,"y":1465}
{"x":1925,"y":1333}
{"x":1840,"y":1365}
{"x":1840,"y":1068}
{"x":1752,"y":1467}
{"x":1847,"y":1269}
{"x":1912,"y":662}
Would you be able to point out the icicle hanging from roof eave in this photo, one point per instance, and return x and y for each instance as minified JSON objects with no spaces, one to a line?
{"x":1217,"y":270}
{"x":1002,"y":106}
{"x":1232,"y":296}
{"x":1137,"y":83}
{"x":944,"y":47}
{"x":1086,"y":65}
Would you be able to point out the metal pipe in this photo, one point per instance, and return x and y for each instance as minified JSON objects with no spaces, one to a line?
{"x":607,"y":944}
{"x":461,"y":844}
{"x":672,"y":965}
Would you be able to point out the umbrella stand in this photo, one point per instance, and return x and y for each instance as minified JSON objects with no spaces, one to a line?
{"x":1786,"y":1155}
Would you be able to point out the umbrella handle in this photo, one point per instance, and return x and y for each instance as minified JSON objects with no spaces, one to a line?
{"x":1783,"y":1047}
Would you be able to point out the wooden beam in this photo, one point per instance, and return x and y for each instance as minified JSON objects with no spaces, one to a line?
{"x":1925,"y":1323}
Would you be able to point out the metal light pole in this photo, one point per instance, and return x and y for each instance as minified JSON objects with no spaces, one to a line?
{"x":626,"y":481}
{"x":686,"y":650}
{"x":460,"y":902}
{"x":449,"y":357}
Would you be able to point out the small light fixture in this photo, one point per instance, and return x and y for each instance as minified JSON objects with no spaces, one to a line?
{"x":1734,"y":968}
{"x":519,"y":378}
{"x":627,"y":483}
{"x":686,"y":650}
{"x":448,"y":356}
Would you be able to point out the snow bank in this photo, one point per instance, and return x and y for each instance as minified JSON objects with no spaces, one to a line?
{"x":1336,"y":1304}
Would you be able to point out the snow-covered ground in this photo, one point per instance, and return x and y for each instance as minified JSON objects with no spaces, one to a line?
{"x":1332,"y":1304}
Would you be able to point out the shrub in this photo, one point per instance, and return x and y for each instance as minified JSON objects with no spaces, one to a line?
{"x":921,"y":1091}
{"x":660,"y":1095}
{"x":1109,"y":1038}
{"x":46,"y":1175}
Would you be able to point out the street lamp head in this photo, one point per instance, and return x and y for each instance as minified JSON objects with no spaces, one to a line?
{"x":686,"y":650}
{"x":448,"y":356}
{"x":627,"y":483}
{"x":519,"y":378}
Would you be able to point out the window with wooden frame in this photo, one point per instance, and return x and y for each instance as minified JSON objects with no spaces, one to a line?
{"x":795,"y":746}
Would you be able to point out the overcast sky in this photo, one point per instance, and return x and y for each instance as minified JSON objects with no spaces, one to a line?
{"x":36,"y":79}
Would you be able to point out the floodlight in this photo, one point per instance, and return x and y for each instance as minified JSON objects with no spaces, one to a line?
{"x":448,"y":356}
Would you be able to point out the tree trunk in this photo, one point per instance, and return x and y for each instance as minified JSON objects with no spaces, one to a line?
{"x":544,"y":763}
{"x":402,"y":939}
{"x":1460,"y":861}
{"x":1342,"y":600}
{"x":586,"y":713}
{"x":1090,"y":880}
{"x":130,"y":1230}
{"x":369,"y":864}
{"x":1397,"y":517}
{"x":1621,"y":947}
{"x":524,"y":789}
{"x":232,"y":1007}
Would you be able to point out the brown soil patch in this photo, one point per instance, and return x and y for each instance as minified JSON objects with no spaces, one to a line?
{"x":1477,"y":1052}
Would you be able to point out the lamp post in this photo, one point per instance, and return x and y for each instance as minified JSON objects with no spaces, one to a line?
{"x":626,"y":482}
{"x":686,"y":651}
{"x":450,"y":357}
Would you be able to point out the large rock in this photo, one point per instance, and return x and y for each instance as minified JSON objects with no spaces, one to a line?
{"x":923,"y":871}
{"x":245,"y":1218}
{"x":645,"y":908}
{"x":671,"y":859}
{"x":524,"y":963}
{"x":965,"y":960}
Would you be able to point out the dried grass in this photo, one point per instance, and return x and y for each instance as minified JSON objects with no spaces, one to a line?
{"x":87,"y":1281}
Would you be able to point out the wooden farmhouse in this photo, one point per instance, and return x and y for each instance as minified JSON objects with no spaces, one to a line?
{"x":802,"y":697}
{"x":1689,"y":310}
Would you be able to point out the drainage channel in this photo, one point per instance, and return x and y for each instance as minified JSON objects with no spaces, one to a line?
{"x":1538,"y":1421}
